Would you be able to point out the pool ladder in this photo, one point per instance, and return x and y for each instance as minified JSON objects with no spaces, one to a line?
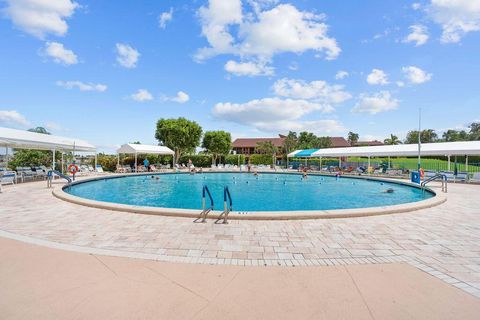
{"x":436,"y":177}
{"x":203,"y":215}
{"x":227,"y":205}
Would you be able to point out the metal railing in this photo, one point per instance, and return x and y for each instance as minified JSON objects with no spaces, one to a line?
{"x":203,"y":215}
{"x":227,"y":205}
{"x":436,"y":177}
{"x":58,"y":173}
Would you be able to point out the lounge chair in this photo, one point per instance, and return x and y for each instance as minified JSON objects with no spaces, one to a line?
{"x":475,"y":178}
{"x":8,"y":177}
{"x":25,"y":173}
{"x":99,"y":168}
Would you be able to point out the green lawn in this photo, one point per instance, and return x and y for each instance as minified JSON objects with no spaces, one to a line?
{"x":427,"y":164}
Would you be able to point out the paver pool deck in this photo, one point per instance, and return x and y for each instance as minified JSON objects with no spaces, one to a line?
{"x":434,"y":253}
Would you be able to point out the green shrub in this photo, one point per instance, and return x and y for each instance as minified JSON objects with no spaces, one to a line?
{"x":107,"y":161}
{"x":234,"y":159}
{"x":256,"y":159}
{"x":198,"y":160}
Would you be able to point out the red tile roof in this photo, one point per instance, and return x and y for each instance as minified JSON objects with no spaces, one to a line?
{"x":337,"y":142}
{"x":253,"y":142}
{"x":369,"y":143}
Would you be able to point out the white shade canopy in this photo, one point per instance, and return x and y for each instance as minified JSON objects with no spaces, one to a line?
{"x":22,"y":139}
{"x":459,"y":148}
{"x":144,"y":149}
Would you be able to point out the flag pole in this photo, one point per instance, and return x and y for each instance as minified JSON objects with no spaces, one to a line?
{"x":419,"y":135}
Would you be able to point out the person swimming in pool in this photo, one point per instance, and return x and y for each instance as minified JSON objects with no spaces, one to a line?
{"x":389,"y":190}
{"x":305,"y":174}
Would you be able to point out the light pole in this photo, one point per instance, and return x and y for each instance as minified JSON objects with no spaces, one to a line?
{"x":419,"y":136}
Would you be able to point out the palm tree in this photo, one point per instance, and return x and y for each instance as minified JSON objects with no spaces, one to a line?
{"x":352,"y":138}
{"x":290,"y":143}
{"x":393,"y":140}
{"x":267,"y":147}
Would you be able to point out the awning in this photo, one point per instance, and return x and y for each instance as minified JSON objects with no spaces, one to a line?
{"x":22,"y":139}
{"x":459,"y":148}
{"x":302,"y":153}
{"x":144,"y":149}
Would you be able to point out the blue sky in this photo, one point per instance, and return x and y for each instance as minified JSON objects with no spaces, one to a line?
{"x":106,"y":71}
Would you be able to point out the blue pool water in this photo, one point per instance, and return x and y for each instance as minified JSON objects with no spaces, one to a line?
{"x":267,"y":192}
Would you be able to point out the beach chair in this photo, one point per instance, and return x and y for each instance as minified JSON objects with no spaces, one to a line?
{"x":99,"y":169}
{"x":8,"y":177}
{"x":475,"y":178}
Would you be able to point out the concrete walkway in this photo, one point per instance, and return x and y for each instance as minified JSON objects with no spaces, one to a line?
{"x":443,"y":241}
{"x":43,"y":283}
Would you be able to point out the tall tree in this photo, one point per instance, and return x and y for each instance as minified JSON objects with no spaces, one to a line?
{"x":455,"y":135}
{"x":426,"y":136}
{"x":217,"y":143}
{"x":267,"y":147}
{"x":307,"y":140}
{"x":323,"y":142}
{"x":180,"y":135}
{"x":474,"y":133}
{"x":352,"y":138}
{"x":41,"y":130}
{"x":393,"y":140}
{"x":291,"y":142}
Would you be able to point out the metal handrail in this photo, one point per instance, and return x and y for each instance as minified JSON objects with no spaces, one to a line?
{"x":227,"y":205}
{"x":435,"y":177}
{"x":205,"y":210}
{"x":58,"y":173}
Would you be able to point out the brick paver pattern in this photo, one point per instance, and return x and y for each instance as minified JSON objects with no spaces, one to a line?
{"x":443,"y":241}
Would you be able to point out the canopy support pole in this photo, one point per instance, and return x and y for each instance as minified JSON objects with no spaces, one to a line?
{"x":448,"y":162}
{"x":63,"y":164}
{"x":320,"y":165}
{"x":6,"y":157}
{"x":340,"y":163}
{"x":136,"y":162}
{"x":53,"y":159}
{"x":368,"y":167}
{"x":96,"y":161}
{"x":466,"y":164}
{"x":287,"y":163}
{"x":118,"y":160}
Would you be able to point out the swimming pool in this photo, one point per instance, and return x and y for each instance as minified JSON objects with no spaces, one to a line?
{"x":265,"y":192}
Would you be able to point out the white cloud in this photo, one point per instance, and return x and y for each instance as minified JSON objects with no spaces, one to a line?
{"x":317,"y":91}
{"x":375,"y":103}
{"x":127,"y":56}
{"x":400,"y":84}
{"x":13,"y":117}
{"x":41,"y":17}
{"x":377,"y":77}
{"x":456,"y":17}
{"x":416,"y":75}
{"x":60,"y":54}
{"x":262,"y":34}
{"x":248,"y":68}
{"x":142,"y":95}
{"x":164,"y":18}
{"x":341,"y":75}
{"x":418,"y":34}
{"x":181,"y":97}
{"x":82,"y":86}
{"x":273,"y":114}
